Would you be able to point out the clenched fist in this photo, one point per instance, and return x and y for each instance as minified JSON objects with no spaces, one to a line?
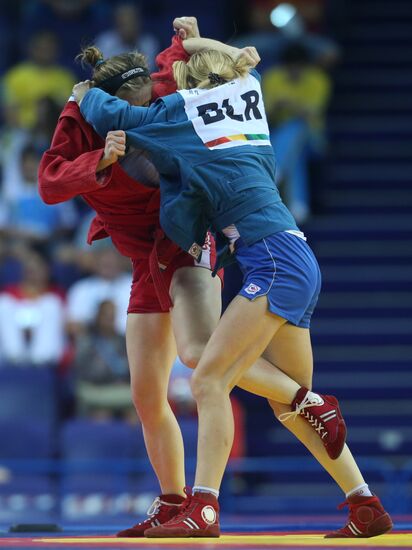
{"x":250,"y":55}
{"x":186,"y":27}
{"x":115,"y":147}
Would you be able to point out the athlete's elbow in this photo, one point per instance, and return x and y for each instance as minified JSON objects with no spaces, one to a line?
{"x":46,"y":195}
{"x":48,"y":199}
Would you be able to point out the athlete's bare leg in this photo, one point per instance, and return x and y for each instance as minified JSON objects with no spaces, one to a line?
{"x":243,"y":333}
{"x":291,"y":351}
{"x":196,"y":311}
{"x":287,"y":362}
{"x":195,"y":315}
{"x":151,"y":351}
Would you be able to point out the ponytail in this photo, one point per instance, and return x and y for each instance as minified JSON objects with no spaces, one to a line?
{"x":181,"y":74}
{"x":208,"y":69}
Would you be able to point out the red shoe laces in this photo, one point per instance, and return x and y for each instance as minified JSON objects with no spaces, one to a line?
{"x":353,"y":505}
{"x":184,"y":506}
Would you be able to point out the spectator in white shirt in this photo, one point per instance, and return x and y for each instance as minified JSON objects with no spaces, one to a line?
{"x":32,"y":317}
{"x":110,"y":282}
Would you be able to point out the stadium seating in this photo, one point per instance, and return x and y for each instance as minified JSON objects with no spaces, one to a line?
{"x":28,"y":393}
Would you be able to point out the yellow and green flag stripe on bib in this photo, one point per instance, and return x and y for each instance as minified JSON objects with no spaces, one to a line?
{"x":237,"y":137}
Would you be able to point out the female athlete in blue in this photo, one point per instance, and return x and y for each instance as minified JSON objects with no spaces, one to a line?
{"x":210,"y":144}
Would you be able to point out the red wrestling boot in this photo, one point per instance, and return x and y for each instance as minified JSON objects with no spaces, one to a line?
{"x":323,"y":414}
{"x":197,"y":517}
{"x":162,"y":510}
{"x":367,"y":518}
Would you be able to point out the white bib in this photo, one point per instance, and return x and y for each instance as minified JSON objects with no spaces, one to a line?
{"x":230,"y":115}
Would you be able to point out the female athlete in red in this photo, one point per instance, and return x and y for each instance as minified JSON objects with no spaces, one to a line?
{"x":79,"y":162}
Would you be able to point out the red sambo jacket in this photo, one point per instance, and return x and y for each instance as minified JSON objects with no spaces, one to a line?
{"x":126,"y":210}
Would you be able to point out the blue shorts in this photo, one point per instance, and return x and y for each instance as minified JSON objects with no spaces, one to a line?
{"x":283,"y":268}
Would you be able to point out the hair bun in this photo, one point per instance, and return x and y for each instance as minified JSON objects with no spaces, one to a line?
{"x":215,"y":78}
{"x":91,"y":55}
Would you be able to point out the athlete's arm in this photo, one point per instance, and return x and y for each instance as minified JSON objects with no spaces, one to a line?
{"x":68,"y":168}
{"x":187,"y":29}
{"x":106,"y":112}
{"x":193,"y":45}
{"x":186,"y":42}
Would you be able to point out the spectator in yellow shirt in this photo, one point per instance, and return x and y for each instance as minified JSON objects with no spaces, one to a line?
{"x":38,"y":77}
{"x":296,"y":97}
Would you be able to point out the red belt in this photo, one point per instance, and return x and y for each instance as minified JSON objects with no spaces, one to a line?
{"x":168,"y":251}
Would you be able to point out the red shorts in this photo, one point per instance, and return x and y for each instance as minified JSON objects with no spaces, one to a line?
{"x":143,"y":296}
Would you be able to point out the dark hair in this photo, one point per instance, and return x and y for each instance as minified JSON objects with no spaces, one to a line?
{"x":105,"y":71}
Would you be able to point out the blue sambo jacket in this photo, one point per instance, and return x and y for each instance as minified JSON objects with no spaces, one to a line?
{"x":212,"y":150}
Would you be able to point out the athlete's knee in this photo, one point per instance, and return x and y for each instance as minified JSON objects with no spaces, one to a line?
{"x":151,"y":412}
{"x":143,"y":404}
{"x":190,"y":355}
{"x":149,"y":400}
{"x":204,"y":385}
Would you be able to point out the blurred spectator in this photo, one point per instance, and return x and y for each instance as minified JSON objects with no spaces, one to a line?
{"x":18,"y":173}
{"x":26,"y":216}
{"x":127,"y":35}
{"x":75,"y":22}
{"x":110,"y":282}
{"x":270,"y":38}
{"x":101,"y":368}
{"x":20,"y":149}
{"x":32,"y":316}
{"x":14,"y":139}
{"x":38,"y":77}
{"x":47,"y":114}
{"x":296,"y":97}
{"x":10,"y":266}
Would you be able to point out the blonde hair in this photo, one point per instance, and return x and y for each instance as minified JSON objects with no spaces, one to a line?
{"x":208,"y":69}
{"x":106,"y":68}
